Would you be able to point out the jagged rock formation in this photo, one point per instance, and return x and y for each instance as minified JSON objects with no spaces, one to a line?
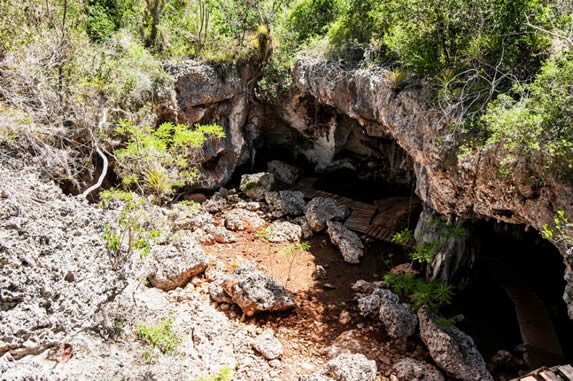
{"x":460,"y":188}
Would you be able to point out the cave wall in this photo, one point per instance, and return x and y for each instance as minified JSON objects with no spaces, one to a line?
{"x":333,"y":117}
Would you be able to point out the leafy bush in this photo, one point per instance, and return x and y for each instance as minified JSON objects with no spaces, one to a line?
{"x":419,"y":292}
{"x":158,"y":161}
{"x":538,"y":117}
{"x":133,"y":231}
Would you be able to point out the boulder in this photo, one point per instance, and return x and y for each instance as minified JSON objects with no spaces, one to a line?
{"x":285,"y":173}
{"x":348,"y":242}
{"x":398,"y":318}
{"x":351,"y":367}
{"x":283,"y":231}
{"x":410,"y":369}
{"x":255,"y":292}
{"x":286,"y":203}
{"x":257,"y":184}
{"x":320,"y":210}
{"x":268,"y":346}
{"x":452,"y":350}
{"x":174,"y":264}
{"x":239,"y":219}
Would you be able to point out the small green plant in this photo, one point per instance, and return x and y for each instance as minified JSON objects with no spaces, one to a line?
{"x":264,"y":234}
{"x":132,"y":232}
{"x":291,"y":251}
{"x":160,"y":337}
{"x":403,"y":237}
{"x":444,"y":323}
{"x":224,"y":374}
{"x":396,"y":78}
{"x":420,"y":292}
{"x":425,"y":251}
{"x":562,"y":230}
{"x":250,"y":186}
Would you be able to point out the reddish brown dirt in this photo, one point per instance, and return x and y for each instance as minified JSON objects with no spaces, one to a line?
{"x":307,"y":332}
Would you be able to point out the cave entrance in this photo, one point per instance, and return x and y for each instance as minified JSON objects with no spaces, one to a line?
{"x":514,"y":301}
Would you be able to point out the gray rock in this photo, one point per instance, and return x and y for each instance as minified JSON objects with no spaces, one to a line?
{"x":398,"y":318}
{"x":351,"y":367}
{"x":217,"y":293}
{"x":410,"y":369}
{"x":348,"y":242}
{"x":315,"y":377}
{"x":319,"y":272}
{"x":285,"y":173}
{"x":173,"y":265}
{"x":307,"y":232}
{"x":215,"y":204}
{"x":239,"y":219}
{"x":286,"y":203}
{"x":284,"y":231}
{"x":369,"y":305}
{"x":452,"y":350}
{"x":188,"y":218}
{"x":268,"y":346}
{"x":220,"y":234}
{"x":257,"y":184}
{"x":254,"y":292}
{"x":320,"y":210}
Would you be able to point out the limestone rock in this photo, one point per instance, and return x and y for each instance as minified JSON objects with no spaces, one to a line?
{"x":320,"y":210}
{"x":284,"y":172}
{"x":284,"y":231}
{"x":215,"y":204}
{"x":173,"y":265}
{"x":398,"y":318}
{"x":351,"y":367}
{"x":452,"y":350}
{"x":307,"y":232}
{"x":410,"y":369}
{"x":348,"y":242}
{"x":239,"y":219}
{"x":188,"y":218}
{"x":268,"y":346}
{"x":286,"y":203}
{"x":369,"y":305}
{"x":217,"y":293}
{"x":255,"y":292}
{"x":315,"y":377}
{"x":220,"y":234}
{"x":257,"y":184}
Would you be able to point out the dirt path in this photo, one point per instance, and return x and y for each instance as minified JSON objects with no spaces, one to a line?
{"x":326,"y":316}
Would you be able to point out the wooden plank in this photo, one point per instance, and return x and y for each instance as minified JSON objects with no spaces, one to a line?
{"x":549,"y":376}
{"x":567,"y":371}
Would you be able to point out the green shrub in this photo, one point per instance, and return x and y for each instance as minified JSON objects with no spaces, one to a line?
{"x":158,"y":161}
{"x":537,"y":118}
{"x":419,"y":292}
{"x":160,"y":337}
{"x":133,"y":232}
